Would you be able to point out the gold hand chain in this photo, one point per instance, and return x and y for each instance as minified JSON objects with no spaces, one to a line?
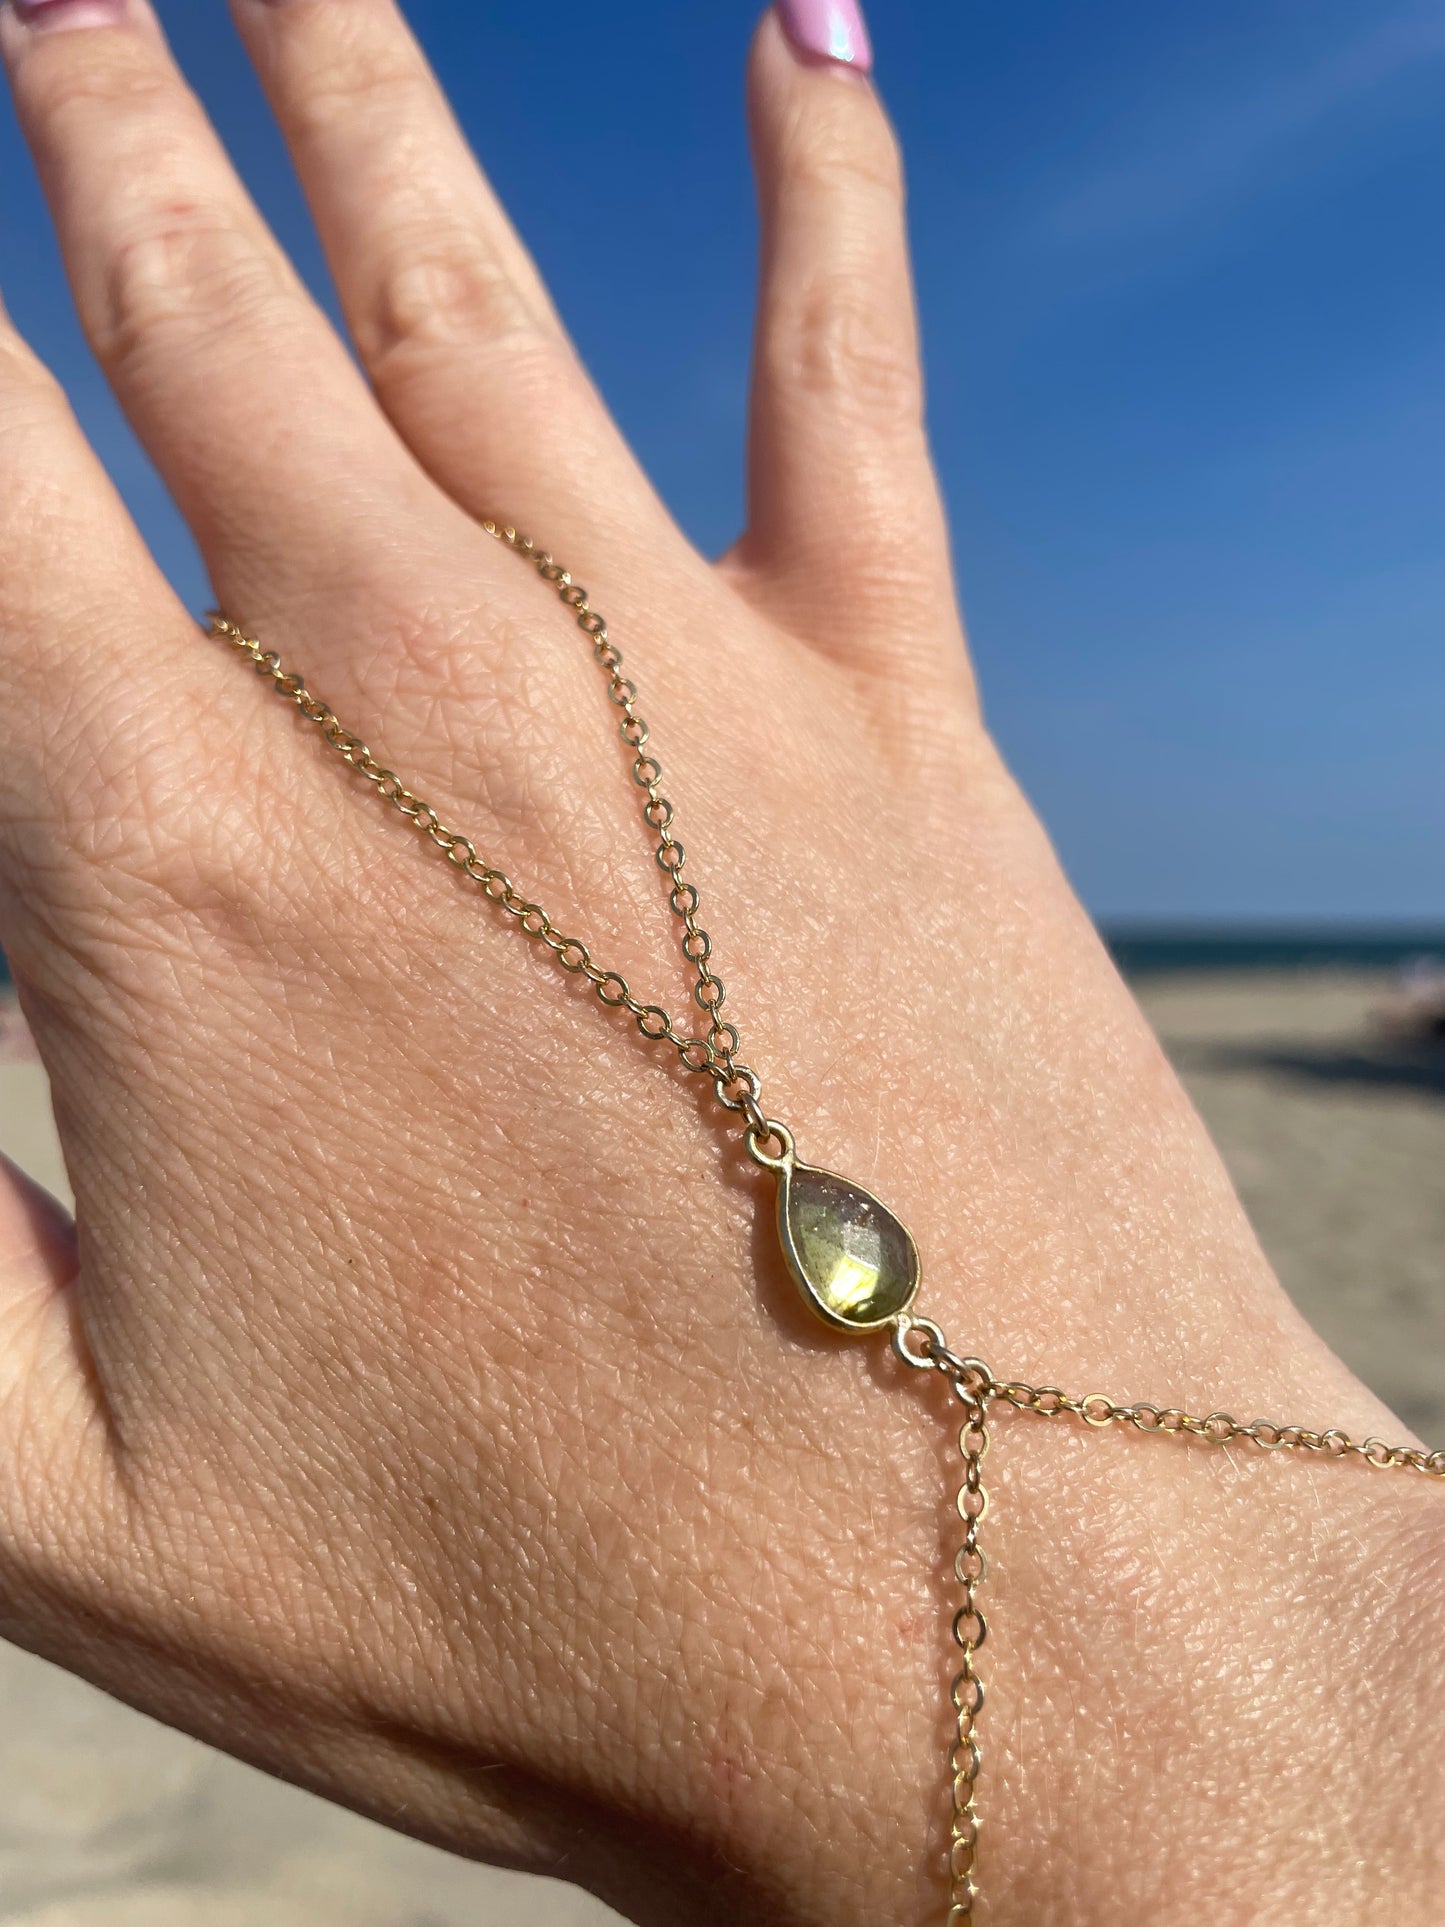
{"x":853,"y":1261}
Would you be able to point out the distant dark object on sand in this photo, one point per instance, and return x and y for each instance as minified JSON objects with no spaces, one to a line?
{"x":1415,"y":1008}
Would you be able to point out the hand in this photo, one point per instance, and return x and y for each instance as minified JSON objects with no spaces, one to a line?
{"x":423,"y":1413}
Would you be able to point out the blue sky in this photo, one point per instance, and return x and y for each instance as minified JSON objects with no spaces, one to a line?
{"x":1184,"y":311}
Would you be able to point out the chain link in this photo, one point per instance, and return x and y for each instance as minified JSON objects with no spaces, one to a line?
{"x":1218,"y":1428}
{"x":969,"y":1631}
{"x":711,"y":1053}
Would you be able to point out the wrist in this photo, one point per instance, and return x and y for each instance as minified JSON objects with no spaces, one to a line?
{"x":1190,"y":1655}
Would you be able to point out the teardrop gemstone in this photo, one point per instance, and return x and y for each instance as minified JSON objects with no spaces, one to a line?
{"x":855,"y":1263}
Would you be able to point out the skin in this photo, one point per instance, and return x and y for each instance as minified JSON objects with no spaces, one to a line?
{"x":420,"y":1409}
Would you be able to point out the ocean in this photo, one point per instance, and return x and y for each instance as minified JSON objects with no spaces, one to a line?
{"x":1160,"y":949}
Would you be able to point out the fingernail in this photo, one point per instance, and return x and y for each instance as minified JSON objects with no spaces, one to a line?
{"x":42,"y":15}
{"x":828,"y":30}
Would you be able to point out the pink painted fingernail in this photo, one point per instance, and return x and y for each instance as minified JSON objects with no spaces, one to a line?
{"x":828,"y":30}
{"x":42,"y":15}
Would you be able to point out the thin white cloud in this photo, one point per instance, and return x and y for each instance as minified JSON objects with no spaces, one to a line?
{"x":1207,"y":150}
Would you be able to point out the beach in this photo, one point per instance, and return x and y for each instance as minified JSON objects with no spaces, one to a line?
{"x":1335,"y":1137}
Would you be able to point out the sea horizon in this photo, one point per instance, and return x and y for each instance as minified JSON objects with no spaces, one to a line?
{"x":1150,"y":946}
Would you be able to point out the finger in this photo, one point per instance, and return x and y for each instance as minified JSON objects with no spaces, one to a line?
{"x":255,"y":415}
{"x":94,"y":648}
{"x":63,"y":1504}
{"x":841,"y":490}
{"x":46,"y":1396}
{"x":449,"y":315}
{"x":37,"y":1261}
{"x":112,"y":819}
{"x":38,"y":1350}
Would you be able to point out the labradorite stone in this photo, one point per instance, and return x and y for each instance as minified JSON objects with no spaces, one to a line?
{"x":855,"y":1256}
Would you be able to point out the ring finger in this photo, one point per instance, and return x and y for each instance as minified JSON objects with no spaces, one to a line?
{"x":288,"y":473}
{"x":449,"y":314}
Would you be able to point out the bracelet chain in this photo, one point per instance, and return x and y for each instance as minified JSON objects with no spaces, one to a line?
{"x":920,"y":1343}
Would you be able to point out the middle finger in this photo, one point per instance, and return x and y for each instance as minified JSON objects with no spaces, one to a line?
{"x":287,"y":472}
{"x":449,"y":314}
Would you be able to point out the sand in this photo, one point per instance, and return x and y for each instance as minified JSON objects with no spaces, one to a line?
{"x":1336,"y":1140}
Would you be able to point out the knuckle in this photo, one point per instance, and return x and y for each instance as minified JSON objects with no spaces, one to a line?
{"x":375,"y":82}
{"x":847,"y":152}
{"x":112,"y":82}
{"x":436,"y":291}
{"x":460,"y":670}
{"x":131,"y":848}
{"x":187,"y":263}
{"x":126,"y":137}
{"x":843,"y":340}
{"x":53,"y":618}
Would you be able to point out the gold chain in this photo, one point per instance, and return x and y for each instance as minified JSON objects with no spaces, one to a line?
{"x":713,"y":1053}
{"x":921,"y":1344}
